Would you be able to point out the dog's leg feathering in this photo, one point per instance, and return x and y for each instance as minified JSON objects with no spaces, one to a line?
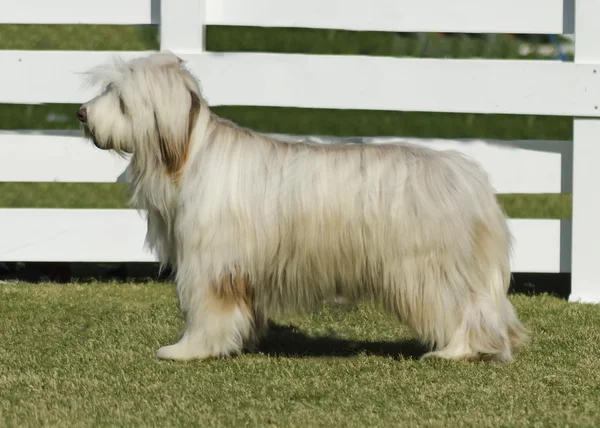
{"x":220,"y":320}
{"x":487,"y":327}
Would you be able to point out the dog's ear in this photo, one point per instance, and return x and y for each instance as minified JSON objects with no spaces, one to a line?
{"x":174,"y":143}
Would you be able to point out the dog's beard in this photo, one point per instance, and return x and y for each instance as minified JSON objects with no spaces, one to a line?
{"x":90,"y":136}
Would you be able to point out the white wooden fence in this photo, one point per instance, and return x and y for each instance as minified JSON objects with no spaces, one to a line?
{"x":323,"y":81}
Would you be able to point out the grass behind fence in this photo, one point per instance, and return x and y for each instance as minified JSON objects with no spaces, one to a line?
{"x":108,"y":195}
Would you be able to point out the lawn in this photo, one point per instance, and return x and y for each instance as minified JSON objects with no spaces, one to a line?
{"x":83,"y":355}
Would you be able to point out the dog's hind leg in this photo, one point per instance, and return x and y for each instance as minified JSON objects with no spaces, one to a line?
{"x":479,"y":333}
{"x":220,"y":320}
{"x":488,"y":328}
{"x":483,"y":334}
{"x":474,"y":288}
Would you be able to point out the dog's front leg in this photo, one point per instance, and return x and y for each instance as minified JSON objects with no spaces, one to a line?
{"x":219,"y":318}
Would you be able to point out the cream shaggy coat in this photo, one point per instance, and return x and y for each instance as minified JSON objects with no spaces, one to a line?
{"x":255,"y":226}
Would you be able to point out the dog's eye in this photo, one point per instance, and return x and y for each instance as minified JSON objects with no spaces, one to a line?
{"x":122,"y":105}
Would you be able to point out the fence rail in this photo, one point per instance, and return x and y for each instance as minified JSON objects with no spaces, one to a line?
{"x":323,"y":81}
{"x":80,"y":12}
{"x":64,"y":156}
{"x":333,"y":81}
{"x":115,"y":235}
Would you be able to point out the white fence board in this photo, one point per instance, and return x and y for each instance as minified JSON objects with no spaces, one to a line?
{"x":465,"y":16}
{"x":79,"y":12}
{"x":585,"y":286}
{"x":334,"y":81}
{"x":586,"y":210}
{"x":97,"y":235}
{"x":513,"y":166}
{"x":60,"y":156}
{"x":182,"y":25}
{"x":62,"y":235}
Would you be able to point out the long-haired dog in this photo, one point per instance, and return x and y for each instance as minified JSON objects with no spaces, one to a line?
{"x":254,"y":226}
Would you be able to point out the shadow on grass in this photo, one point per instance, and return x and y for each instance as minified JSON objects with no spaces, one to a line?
{"x":289,"y":341}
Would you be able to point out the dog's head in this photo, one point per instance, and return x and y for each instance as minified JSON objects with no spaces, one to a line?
{"x":147,"y":107}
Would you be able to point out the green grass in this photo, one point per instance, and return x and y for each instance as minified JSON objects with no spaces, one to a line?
{"x":258,"y":39}
{"x":109,"y":195}
{"x":83,"y":355}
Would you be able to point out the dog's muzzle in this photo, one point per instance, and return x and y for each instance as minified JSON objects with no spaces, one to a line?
{"x":82,"y":116}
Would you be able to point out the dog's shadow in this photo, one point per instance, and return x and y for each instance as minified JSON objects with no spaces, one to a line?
{"x":289,"y":341}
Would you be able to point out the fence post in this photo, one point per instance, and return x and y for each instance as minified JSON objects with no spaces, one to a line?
{"x":585,"y":268}
{"x":182,"y":26}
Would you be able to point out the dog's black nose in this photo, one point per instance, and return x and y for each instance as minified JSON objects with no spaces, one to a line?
{"x":82,"y":114}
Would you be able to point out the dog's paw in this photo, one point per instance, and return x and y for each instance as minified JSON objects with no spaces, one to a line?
{"x":180,"y":352}
{"x":450,"y":356}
